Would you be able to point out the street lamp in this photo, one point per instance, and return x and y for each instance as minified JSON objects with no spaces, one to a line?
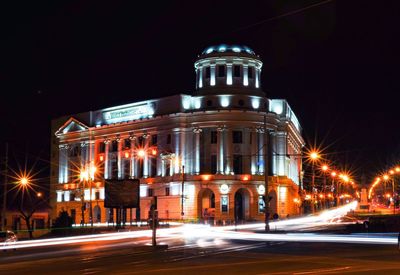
{"x":324,"y":169}
{"x":87,"y":175}
{"x":314,"y":156}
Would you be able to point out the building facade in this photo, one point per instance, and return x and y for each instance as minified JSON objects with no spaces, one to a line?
{"x":212,"y":146}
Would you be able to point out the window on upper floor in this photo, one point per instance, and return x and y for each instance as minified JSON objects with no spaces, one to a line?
{"x":102,"y":147}
{"x":127,"y":143}
{"x":214,"y":137}
{"x":213,"y":164}
{"x":208,"y":72}
{"x":238,"y":164}
{"x":154,"y":140}
{"x":166,"y":191}
{"x":114,"y":146}
{"x":250,"y":72}
{"x":237,"y":137}
{"x":169,"y":139}
{"x":221,"y":70}
{"x":150,"y":192}
{"x":236,"y":70}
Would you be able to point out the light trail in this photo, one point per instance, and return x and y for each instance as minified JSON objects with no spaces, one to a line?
{"x":324,"y":218}
{"x":201,"y":234}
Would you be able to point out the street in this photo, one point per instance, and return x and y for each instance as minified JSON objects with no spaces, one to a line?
{"x":195,"y":248}
{"x":201,"y":257}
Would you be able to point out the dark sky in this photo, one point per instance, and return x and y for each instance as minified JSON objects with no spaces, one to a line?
{"x":337,"y":63}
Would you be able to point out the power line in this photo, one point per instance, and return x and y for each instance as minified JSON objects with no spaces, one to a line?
{"x":283,"y":15}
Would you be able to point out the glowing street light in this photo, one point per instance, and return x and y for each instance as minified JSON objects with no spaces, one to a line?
{"x":385,"y":177}
{"x":325,"y":168}
{"x":24,"y":181}
{"x":314,"y":155}
{"x":141,"y":153}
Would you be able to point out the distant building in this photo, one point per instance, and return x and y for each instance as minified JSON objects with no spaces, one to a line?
{"x":216,"y":133}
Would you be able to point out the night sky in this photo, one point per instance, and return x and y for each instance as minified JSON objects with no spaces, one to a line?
{"x":336,"y":62}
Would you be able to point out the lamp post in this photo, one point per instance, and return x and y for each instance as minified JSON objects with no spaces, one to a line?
{"x":324,"y":170}
{"x":333,"y":175}
{"x":314,"y":156}
{"x":4,"y":210}
{"x":183,"y":190}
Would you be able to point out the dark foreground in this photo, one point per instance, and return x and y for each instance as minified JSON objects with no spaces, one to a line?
{"x":203,"y":257}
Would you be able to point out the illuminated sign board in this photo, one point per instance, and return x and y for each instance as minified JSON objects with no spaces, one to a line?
{"x":130,"y":113}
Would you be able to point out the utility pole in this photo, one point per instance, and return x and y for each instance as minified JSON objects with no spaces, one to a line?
{"x":312,"y":189}
{"x":266,"y":172}
{"x":183,"y":189}
{"x":4,"y":210}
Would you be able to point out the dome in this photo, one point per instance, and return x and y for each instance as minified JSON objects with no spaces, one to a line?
{"x":222,"y":48}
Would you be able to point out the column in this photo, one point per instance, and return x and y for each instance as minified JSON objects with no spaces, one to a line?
{"x":212,"y":76}
{"x":183,"y":157}
{"x":146,"y":157}
{"x":200,"y":72}
{"x":228,"y":141}
{"x":84,"y":153}
{"x":171,"y":164}
{"x":63,"y":163}
{"x":177,"y":152}
{"x":260,"y":139}
{"x":228,"y":74}
{"x":163,"y":166}
{"x":220,"y":150}
{"x":196,"y":164}
{"x":245,"y":75}
{"x":254,"y":152}
{"x":257,"y":77}
{"x":133,"y":159}
{"x":106,"y":159}
{"x":119,"y":158}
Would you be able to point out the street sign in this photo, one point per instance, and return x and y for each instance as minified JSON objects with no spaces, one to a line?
{"x":122,"y":193}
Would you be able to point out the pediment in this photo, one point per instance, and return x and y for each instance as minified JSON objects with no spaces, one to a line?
{"x":72,"y":125}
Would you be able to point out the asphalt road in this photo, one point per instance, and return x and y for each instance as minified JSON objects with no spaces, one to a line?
{"x":202,"y":256}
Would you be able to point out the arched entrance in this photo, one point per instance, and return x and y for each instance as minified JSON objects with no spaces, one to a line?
{"x":96,"y":214}
{"x":242,"y":205}
{"x":206,"y":204}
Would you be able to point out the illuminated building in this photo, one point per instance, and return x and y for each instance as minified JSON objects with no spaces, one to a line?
{"x":216,"y":133}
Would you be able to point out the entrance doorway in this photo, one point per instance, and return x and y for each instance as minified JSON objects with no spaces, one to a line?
{"x":242,"y":205}
{"x":206,"y":204}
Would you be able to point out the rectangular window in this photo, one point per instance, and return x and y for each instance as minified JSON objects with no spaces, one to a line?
{"x":250,"y":72}
{"x":236,"y":71}
{"x":127,"y":143}
{"x":221,"y":71}
{"x":261,"y":204}
{"x":251,"y":137}
{"x":140,"y":168}
{"x":114,"y":169}
{"x":213,"y":164}
{"x":154,"y":140}
{"x":102,"y":147}
{"x":72,"y":196}
{"x":114,"y":146}
{"x":213,"y":137}
{"x":150,"y":192}
{"x":97,"y":195}
{"x":153,"y":167}
{"x":238,"y":164}
{"x":166,"y":191}
{"x":127,"y":169}
{"x":237,"y":137}
{"x":208,"y":72}
{"x":141,"y":141}
{"x":224,"y":204}
{"x":169,"y":139}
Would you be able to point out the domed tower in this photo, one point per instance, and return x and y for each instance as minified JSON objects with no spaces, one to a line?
{"x":228,"y":69}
